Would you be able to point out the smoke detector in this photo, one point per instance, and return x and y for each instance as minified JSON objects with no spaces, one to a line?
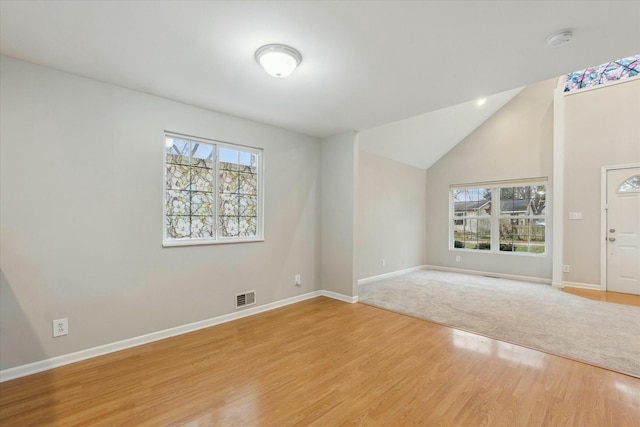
{"x":559,"y":38}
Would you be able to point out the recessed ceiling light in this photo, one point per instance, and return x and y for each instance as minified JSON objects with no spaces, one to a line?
{"x":278,"y":60}
{"x":559,"y":38}
{"x":481,"y":101}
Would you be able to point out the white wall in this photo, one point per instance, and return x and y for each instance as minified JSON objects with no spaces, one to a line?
{"x":602,"y":128}
{"x":516,"y":142}
{"x":81,"y":216}
{"x":339,"y":172}
{"x":391,"y":210}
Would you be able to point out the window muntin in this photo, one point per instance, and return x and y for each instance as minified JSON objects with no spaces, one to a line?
{"x":519,"y":225}
{"x":212,"y":192}
{"x":630,"y":185}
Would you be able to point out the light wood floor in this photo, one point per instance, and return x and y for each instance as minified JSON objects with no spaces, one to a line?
{"x":615,"y":297}
{"x":326,"y":363}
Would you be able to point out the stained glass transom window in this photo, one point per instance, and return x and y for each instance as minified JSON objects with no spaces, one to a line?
{"x":611,"y":71}
{"x":212,"y":192}
{"x":630,"y":185}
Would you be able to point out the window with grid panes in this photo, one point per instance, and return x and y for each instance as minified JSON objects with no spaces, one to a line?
{"x":499,"y":218}
{"x":212,"y":192}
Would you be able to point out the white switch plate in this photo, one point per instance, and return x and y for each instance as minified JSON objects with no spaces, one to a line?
{"x":575,"y":215}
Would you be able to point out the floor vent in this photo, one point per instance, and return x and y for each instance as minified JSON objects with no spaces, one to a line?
{"x":245,"y":299}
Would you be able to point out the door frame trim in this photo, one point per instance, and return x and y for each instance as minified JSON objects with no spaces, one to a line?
{"x":603,"y":218}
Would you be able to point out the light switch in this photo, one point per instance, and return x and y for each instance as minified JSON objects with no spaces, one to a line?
{"x":575,"y":215}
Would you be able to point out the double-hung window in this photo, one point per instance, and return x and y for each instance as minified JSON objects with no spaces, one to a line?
{"x":499,"y":217}
{"x":212,"y":192}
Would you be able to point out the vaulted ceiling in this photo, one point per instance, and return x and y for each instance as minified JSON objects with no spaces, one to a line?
{"x":365,"y":63}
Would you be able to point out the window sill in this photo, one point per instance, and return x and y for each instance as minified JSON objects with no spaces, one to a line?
{"x":179,"y":243}
{"x":509,"y":253}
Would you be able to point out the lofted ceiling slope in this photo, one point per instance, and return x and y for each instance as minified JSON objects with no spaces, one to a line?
{"x":421,"y":140}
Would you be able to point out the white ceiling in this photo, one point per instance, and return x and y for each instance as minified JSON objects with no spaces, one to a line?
{"x":365,"y":63}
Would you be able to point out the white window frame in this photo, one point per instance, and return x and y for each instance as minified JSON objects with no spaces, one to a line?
{"x":495,"y":216}
{"x":216,"y":239}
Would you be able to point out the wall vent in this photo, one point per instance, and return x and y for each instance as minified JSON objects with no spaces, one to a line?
{"x":246,"y":298}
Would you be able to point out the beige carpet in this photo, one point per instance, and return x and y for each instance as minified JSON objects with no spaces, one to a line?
{"x":529,"y":314}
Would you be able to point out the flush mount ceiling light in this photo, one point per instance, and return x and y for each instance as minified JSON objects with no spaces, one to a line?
{"x":559,"y":38}
{"x":278,"y":60}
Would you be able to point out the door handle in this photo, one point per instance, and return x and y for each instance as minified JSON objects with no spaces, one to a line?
{"x":612,"y":239}
{"x":612,"y":230}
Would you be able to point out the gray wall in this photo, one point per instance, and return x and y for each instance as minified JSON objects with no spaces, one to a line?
{"x":337,"y":223}
{"x":516,"y":142}
{"x":81,"y":216}
{"x":602,"y":128}
{"x":391,"y":208}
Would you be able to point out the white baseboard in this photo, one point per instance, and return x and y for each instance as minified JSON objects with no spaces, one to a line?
{"x":54,"y":362}
{"x":490,"y":273}
{"x":339,"y":297}
{"x":582,"y":286}
{"x":391,"y":274}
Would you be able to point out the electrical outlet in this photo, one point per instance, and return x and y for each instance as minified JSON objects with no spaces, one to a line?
{"x":297,"y":280}
{"x":566,"y":268}
{"x":60,"y":327}
{"x":384,"y":262}
{"x":457,"y":258}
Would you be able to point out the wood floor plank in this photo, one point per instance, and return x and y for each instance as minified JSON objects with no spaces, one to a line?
{"x":323,"y":362}
{"x":613,"y":297}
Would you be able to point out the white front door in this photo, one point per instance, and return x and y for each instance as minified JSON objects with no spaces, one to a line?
{"x":623,"y":230}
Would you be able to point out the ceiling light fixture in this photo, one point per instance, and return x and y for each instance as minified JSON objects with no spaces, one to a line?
{"x":559,"y":38}
{"x":481,"y":101}
{"x":278,"y":60}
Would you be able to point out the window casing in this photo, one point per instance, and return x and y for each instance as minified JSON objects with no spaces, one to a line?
{"x":517,"y":225}
{"x":212,"y":192}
